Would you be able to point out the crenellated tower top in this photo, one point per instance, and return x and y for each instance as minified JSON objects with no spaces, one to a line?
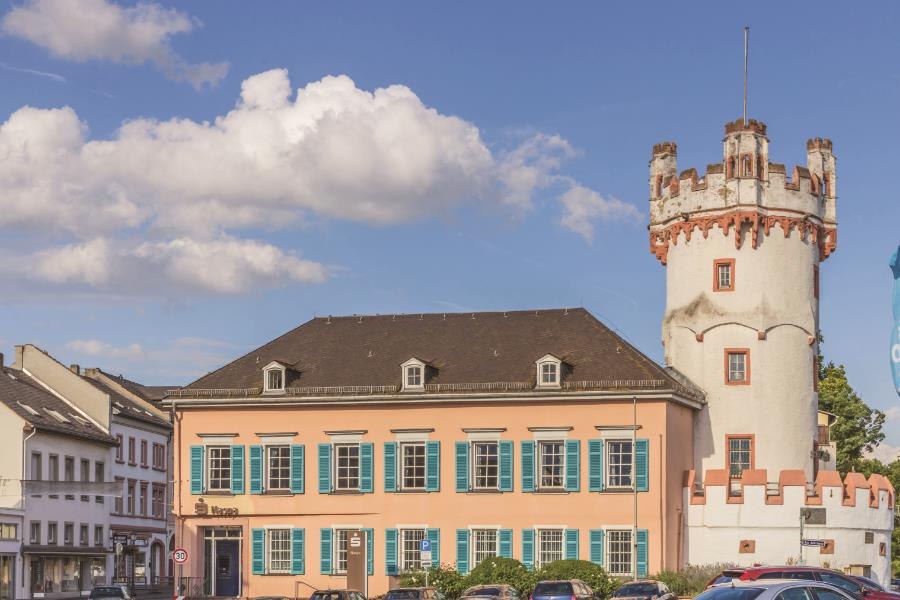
{"x":744,"y":191}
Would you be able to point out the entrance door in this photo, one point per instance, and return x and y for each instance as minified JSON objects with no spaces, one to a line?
{"x":227,"y":567}
{"x":7,"y":574}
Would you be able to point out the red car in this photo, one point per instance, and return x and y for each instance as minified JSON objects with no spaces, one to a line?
{"x":836,"y":579}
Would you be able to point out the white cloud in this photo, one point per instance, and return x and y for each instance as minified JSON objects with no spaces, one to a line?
{"x":582,"y":207}
{"x":99,"y":349}
{"x":886,"y":453}
{"x":892,"y":414}
{"x":171,"y":201}
{"x":82,"y":30}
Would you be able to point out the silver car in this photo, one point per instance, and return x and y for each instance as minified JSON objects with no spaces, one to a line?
{"x":789,"y":589}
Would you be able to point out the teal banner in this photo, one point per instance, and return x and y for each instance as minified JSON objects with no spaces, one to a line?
{"x":895,"y":336}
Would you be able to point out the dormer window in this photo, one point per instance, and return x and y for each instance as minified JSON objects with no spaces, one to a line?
{"x":413,"y":372}
{"x":549,"y":370}
{"x":273,"y":377}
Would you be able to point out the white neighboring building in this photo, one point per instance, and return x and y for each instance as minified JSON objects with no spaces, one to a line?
{"x":742,"y":246}
{"x":55,"y":526}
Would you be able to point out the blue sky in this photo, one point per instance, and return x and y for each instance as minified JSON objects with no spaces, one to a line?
{"x":529,"y":126}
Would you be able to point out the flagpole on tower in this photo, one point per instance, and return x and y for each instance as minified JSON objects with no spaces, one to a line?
{"x":746,"y":57}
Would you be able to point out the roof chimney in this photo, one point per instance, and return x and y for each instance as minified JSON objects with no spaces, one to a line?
{"x":75,"y":369}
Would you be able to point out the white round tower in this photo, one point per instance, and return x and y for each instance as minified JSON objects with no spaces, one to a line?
{"x":742,"y":247}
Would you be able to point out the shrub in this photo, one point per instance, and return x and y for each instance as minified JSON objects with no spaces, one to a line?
{"x":692,"y":579}
{"x":444,"y":579}
{"x":593,"y":575}
{"x":502,"y":570}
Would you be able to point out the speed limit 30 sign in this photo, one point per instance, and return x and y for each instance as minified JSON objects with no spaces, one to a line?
{"x":180,"y":556}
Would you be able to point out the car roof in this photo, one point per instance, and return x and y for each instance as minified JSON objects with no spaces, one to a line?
{"x":777,"y":584}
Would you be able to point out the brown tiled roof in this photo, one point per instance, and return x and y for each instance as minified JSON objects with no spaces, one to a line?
{"x":150,"y":393}
{"x":126,"y":406}
{"x":459,"y":348}
{"x":17,"y":388}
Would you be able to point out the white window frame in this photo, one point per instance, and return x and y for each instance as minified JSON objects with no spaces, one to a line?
{"x":335,"y":467}
{"x":336,"y":547}
{"x":474,"y":544}
{"x":739,"y":452}
{"x":540,"y":465}
{"x":269,"y":550}
{"x":402,"y":447}
{"x":609,"y":542}
{"x":609,"y":464}
{"x":268,"y":478}
{"x":549,"y":359}
{"x":407,"y":368}
{"x":539,"y":551}
{"x":733,"y":370}
{"x":724,"y":268}
{"x":474,"y":465}
{"x":402,"y":534}
{"x":209,"y":478}
{"x":273,"y":366}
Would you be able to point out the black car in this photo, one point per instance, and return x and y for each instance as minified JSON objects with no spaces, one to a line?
{"x":337,"y":595}
{"x":567,"y":589}
{"x":111,"y":592}
{"x":644,"y":590}
{"x":414,"y":593}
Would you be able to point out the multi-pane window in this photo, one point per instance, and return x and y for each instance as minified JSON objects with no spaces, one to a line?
{"x":34,"y":534}
{"x":83,"y":535}
{"x":159,"y":501}
{"x":724,"y":275}
{"x":144,"y":453}
{"x":550,"y":545}
{"x":131,"y":457}
{"x":279,"y":554}
{"x":85,"y":475}
{"x":119,"y":448}
{"x":410,"y":549}
{"x":159,"y":456}
{"x":739,"y":455}
{"x":98,"y":535}
{"x":69,"y":534}
{"x":736,"y":363}
{"x":278,"y":468}
{"x":144,"y":498}
{"x":219,"y":468}
{"x":130,"y":497}
{"x":549,"y":373}
{"x":99,"y":477}
{"x":551,"y":459}
{"x":485,"y":466}
{"x":69,"y":473}
{"x":340,"y":550}
{"x":118,"y":500}
{"x":619,"y":552}
{"x":9,"y":531}
{"x":274,"y":380}
{"x":53,"y":467}
{"x":619,"y":463}
{"x":413,"y":466}
{"x":346,"y":466}
{"x":484,"y":545}
{"x":414,"y":376}
{"x":52,"y":534}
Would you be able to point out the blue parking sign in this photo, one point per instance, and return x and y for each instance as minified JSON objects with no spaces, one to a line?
{"x":425,"y":546}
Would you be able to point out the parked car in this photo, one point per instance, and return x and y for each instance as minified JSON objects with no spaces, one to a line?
{"x":414,"y":593}
{"x":844,"y":582}
{"x":110,"y":592}
{"x":491,"y":592}
{"x":774,"y":590}
{"x":567,"y":589}
{"x":337,"y":595}
{"x":895,"y":584}
{"x":868,"y":583}
{"x":644,"y":590}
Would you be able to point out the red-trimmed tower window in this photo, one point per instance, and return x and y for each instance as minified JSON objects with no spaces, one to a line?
{"x":737,"y":366}
{"x":741,"y":450}
{"x":723,"y":275}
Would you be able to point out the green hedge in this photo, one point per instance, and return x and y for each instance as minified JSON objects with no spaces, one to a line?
{"x":692,"y":579}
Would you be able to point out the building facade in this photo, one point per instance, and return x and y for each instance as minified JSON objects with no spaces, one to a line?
{"x":742,"y":246}
{"x":489,"y":434}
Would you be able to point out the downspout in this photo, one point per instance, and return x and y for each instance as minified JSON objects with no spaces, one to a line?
{"x":22,"y":491}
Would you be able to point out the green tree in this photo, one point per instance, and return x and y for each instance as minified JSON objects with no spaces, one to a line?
{"x":858,"y":428}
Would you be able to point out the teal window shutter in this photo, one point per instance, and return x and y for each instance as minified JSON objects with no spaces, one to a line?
{"x":528,"y":466}
{"x":462,"y":466}
{"x":641,"y":458}
{"x":237,"y":469}
{"x":325,"y":470}
{"x":462,"y":551}
{"x":257,"y":551}
{"x":196,"y":470}
{"x":506,"y":465}
{"x":325,"y":551}
{"x":528,"y":548}
{"x":370,"y":550}
{"x":256,"y":469}
{"x":298,"y":549}
{"x":571,"y":544}
{"x":390,"y":551}
{"x":390,"y":466}
{"x":298,"y":468}
{"x":573,"y":465}
{"x":366,"y":467}
{"x":504,"y":543}
{"x":642,"y":553}
{"x":434,"y":536}
{"x":432,"y":466}
{"x":596,"y":549}
{"x":596,"y":469}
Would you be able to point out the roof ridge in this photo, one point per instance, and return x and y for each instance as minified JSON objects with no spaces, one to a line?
{"x":457,"y":313}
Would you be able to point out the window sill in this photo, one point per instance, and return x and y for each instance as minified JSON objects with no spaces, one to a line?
{"x":485,"y":491}
{"x":552,"y":491}
{"x":346,"y":493}
{"x":616,"y":491}
{"x":413,"y":491}
{"x":217,"y":493}
{"x":278,"y":493}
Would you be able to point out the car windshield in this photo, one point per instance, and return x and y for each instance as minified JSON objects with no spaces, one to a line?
{"x":108,"y":591}
{"x":636,"y":589}
{"x":402,"y":595}
{"x":553,"y":588}
{"x":723,"y":578}
{"x":872,"y":585}
{"x":730,"y":593}
{"x":485,"y":591}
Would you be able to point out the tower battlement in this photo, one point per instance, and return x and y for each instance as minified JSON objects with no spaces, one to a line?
{"x":746,"y":182}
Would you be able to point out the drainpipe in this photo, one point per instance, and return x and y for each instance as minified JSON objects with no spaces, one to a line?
{"x":22,"y":491}
{"x":634,"y":534}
